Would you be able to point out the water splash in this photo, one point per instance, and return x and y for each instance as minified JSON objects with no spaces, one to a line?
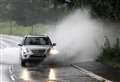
{"x":76,"y":37}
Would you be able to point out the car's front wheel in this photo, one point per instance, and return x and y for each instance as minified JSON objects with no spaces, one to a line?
{"x":23,"y":63}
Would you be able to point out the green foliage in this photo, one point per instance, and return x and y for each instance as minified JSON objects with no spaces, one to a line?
{"x":29,"y":12}
{"x":110,"y":54}
{"x":4,"y":10}
{"x":106,"y":9}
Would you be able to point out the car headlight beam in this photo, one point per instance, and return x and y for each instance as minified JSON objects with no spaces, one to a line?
{"x":53,"y":51}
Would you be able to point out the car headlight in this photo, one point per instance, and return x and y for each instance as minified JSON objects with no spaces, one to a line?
{"x":53,"y":51}
{"x":26,"y":51}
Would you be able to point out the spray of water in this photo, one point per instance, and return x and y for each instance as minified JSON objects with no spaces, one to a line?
{"x":76,"y":37}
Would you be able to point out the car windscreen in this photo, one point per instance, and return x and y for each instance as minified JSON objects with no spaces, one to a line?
{"x":37,"y":41}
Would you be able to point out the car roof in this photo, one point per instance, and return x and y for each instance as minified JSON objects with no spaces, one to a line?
{"x":36,"y":36}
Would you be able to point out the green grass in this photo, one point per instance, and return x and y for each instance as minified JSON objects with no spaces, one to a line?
{"x":14,"y":29}
{"x":110,"y":53}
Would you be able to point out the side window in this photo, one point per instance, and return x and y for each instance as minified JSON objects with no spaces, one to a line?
{"x":42,"y":41}
{"x":48,"y":41}
{"x":27,"y":41}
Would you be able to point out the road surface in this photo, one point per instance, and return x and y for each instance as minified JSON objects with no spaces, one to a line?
{"x":5,"y":65}
{"x":11,"y":71}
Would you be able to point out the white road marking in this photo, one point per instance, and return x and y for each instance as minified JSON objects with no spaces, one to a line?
{"x":12,"y":78}
{"x":1,"y":72}
{"x":10,"y":70}
{"x":91,"y":74}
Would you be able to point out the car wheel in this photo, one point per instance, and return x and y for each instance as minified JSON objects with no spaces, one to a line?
{"x":23,"y":63}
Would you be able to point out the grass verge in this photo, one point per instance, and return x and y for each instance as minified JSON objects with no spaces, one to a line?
{"x":110,"y":53}
{"x":14,"y":29}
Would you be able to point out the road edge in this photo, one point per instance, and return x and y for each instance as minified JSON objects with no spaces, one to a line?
{"x":91,"y":74}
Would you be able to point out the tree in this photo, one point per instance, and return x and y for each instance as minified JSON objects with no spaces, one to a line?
{"x":4,"y":10}
{"x":29,"y":12}
{"x":106,"y":9}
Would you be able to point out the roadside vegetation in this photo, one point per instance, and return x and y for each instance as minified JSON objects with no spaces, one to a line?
{"x":110,"y":53}
{"x":30,"y":12}
{"x":14,"y":29}
{"x":34,"y":16}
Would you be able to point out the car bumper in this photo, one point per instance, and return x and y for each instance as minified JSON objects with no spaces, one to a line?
{"x":34,"y":56}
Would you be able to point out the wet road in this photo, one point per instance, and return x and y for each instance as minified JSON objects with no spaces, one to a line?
{"x":50,"y":74}
{"x":103,"y":70}
{"x":4,"y":65}
{"x":44,"y":73}
{"x":4,"y":73}
{"x":10,"y":72}
{"x":4,"y":77}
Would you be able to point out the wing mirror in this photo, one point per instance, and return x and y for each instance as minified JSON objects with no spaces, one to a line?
{"x":54,"y":44}
{"x":19,"y":44}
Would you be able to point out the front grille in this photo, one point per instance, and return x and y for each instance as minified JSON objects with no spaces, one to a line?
{"x":37,"y":56}
{"x":42,"y":51}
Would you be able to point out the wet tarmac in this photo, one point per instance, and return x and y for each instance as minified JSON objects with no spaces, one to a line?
{"x":4,"y":74}
{"x":56,"y":73}
{"x":50,"y":74}
{"x":103,"y":70}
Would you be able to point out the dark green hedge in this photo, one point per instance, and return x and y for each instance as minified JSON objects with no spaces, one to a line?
{"x":110,"y":53}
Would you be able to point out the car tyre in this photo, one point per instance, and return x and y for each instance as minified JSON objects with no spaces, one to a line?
{"x":23,"y":63}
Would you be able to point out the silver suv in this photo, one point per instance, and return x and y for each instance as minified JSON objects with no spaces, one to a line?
{"x":35,"y":48}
